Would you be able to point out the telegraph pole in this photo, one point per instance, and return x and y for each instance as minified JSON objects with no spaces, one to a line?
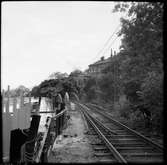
{"x":114,"y":81}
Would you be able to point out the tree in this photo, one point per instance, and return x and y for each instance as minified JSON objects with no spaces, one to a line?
{"x":21,"y":90}
{"x":75,"y":73}
{"x":152,"y":97}
{"x":90,"y":89}
{"x":142,"y":40}
{"x":35,"y":92}
{"x":143,"y":33}
{"x":49,"y":88}
{"x":58,"y":75}
{"x":142,"y":48}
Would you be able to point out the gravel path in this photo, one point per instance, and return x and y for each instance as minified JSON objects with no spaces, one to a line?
{"x":73,"y":146}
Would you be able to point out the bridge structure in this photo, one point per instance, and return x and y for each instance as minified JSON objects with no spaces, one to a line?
{"x":30,"y":127}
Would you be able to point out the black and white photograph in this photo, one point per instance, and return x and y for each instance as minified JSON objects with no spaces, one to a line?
{"x":82,"y":82}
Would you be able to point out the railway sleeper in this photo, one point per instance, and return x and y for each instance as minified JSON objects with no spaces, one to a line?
{"x":128,"y":144}
{"x":144,"y":160}
{"x":105,"y":132}
{"x":123,"y":139}
{"x":101,"y":154}
{"x":134,"y":150}
{"x":137,"y":148}
{"x":121,"y":136}
{"x":144,"y":154}
{"x":98,"y":144}
{"x":96,"y":135}
{"x":101,"y":149}
{"x":111,"y":125}
{"x":107,"y":160}
{"x":126,"y":149}
{"x":119,"y":132}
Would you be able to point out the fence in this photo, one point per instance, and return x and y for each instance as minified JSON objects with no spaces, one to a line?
{"x":14,"y":115}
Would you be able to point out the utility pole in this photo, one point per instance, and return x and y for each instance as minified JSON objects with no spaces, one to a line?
{"x":115,"y":74}
{"x":114,"y":85}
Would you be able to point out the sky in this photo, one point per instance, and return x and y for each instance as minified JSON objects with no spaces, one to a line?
{"x":39,"y":38}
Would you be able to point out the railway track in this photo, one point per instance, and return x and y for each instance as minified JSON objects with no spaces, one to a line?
{"x":118,"y":142}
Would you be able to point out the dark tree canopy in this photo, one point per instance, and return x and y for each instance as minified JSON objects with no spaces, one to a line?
{"x":52,"y":87}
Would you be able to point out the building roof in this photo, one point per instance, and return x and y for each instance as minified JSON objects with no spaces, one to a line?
{"x":108,"y":60}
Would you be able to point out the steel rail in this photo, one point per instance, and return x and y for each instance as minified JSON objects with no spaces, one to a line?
{"x":101,"y":124}
{"x":116,"y":154}
{"x":147,"y":140}
{"x":105,"y":127}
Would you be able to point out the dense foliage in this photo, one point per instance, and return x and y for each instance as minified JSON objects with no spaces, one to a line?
{"x":137,"y":70}
{"x":51,"y":87}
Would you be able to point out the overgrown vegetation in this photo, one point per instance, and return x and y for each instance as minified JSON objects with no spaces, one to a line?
{"x":136,"y":72}
{"x":60,"y":84}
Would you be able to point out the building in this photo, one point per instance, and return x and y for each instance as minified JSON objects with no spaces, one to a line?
{"x":96,"y":68}
{"x":80,"y":78}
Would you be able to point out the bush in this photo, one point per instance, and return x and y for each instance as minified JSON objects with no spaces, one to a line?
{"x":124,"y":110}
{"x":152,"y":96}
{"x":90,"y":89}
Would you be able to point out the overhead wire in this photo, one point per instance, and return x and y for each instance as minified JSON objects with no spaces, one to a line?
{"x":110,"y":45}
{"x":106,"y":43}
{"x":108,"y":40}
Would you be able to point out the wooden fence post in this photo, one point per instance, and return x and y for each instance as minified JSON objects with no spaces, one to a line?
{"x":15,"y":114}
{"x":3,"y":102}
{"x":21,"y":116}
{"x":24,"y":114}
{"x":6,"y":129}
